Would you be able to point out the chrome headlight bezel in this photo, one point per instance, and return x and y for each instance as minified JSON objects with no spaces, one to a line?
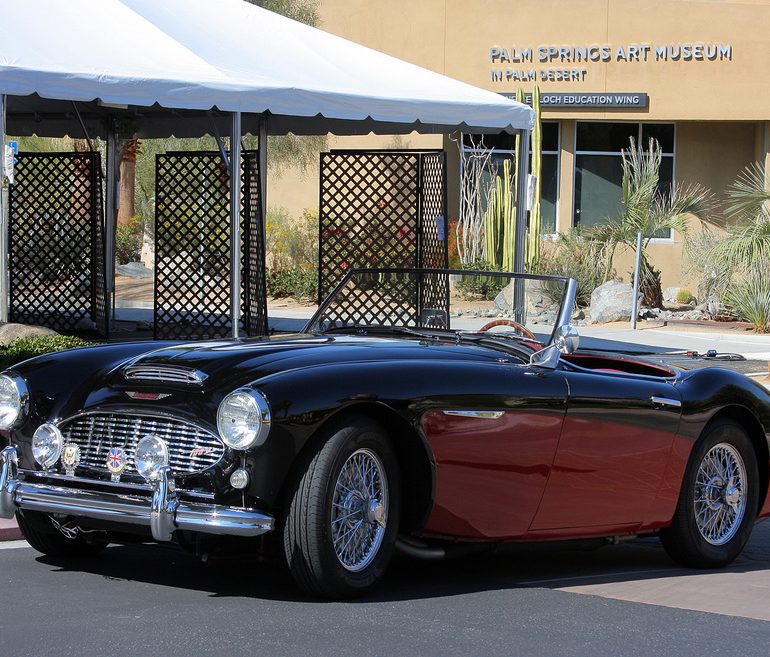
{"x":150,"y":469}
{"x":21,"y":403}
{"x":254,"y":411}
{"x":54,"y":435}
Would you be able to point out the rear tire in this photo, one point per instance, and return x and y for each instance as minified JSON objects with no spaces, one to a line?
{"x":44,"y":537}
{"x":342,"y":519}
{"x":718,"y":502}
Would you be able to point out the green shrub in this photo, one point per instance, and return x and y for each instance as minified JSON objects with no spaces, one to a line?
{"x":481,"y":287}
{"x":298,"y":282}
{"x":25,"y":348}
{"x":684,"y":296}
{"x":128,"y":242}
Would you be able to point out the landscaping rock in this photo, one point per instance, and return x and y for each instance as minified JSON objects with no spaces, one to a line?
{"x":11,"y":332}
{"x":611,"y":302}
{"x":134,"y":270}
{"x":670,"y":293}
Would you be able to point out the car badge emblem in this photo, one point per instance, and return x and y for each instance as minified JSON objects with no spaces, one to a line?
{"x":116,"y":463}
{"x":200,"y":451}
{"x":153,"y":396}
{"x":70,"y":458}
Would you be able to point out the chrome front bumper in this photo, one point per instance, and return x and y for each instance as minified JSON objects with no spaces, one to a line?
{"x":163,"y":513}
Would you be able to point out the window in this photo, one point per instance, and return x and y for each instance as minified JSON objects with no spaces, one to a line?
{"x":599,"y":166}
{"x":502,"y":146}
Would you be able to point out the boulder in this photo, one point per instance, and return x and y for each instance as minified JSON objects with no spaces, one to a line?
{"x":611,"y":302}
{"x":11,"y":332}
{"x":669,"y":294}
{"x":134,"y":270}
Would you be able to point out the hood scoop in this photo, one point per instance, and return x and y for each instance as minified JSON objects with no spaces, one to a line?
{"x":162,"y":373}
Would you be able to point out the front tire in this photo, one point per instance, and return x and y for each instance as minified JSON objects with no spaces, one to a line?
{"x":342,"y":520}
{"x":718,"y":503}
{"x":42,"y":536}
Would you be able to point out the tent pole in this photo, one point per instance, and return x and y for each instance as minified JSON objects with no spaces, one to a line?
{"x":3,"y":219}
{"x":263,"y":170}
{"x":235,"y":223}
{"x":522,"y":174}
{"x":110,"y":216}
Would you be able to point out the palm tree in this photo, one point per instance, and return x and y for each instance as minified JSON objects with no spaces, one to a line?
{"x":748,"y":234}
{"x":649,"y":210}
{"x":738,"y":262}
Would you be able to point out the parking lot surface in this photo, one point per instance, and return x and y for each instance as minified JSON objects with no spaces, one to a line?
{"x":628,"y":599}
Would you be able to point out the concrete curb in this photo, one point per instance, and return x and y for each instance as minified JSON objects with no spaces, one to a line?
{"x":9,"y":530}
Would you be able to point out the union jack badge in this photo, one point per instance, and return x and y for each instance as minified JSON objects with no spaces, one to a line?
{"x":116,"y":462}
{"x":70,"y":458}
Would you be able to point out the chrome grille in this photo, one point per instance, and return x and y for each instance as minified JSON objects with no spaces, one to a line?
{"x":97,"y":433}
{"x":164,"y":374}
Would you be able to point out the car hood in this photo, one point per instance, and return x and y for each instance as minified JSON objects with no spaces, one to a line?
{"x":237,"y":361}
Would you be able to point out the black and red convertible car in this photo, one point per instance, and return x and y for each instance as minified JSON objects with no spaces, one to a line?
{"x":419,"y":410}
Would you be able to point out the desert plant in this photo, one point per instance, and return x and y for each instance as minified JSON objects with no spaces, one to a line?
{"x":648,"y":210}
{"x":749,"y":297}
{"x":477,"y":171}
{"x":574,"y":256}
{"x":481,"y":287}
{"x":684,"y":296}
{"x":532,"y":255}
{"x":499,"y":222}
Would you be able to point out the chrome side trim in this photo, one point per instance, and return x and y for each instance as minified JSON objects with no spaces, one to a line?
{"x":163,"y":513}
{"x":665,"y":401}
{"x":483,"y":415}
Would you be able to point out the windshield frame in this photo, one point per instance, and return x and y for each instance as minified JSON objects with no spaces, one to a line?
{"x":566,"y":304}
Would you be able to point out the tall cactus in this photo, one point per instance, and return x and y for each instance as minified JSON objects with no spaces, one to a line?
{"x":532,"y":251}
{"x":499,"y":220}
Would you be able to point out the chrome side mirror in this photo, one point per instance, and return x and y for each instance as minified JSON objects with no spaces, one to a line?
{"x":565,"y":341}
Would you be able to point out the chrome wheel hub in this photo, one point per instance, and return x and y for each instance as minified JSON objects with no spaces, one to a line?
{"x":359,"y":510}
{"x":719,"y":494}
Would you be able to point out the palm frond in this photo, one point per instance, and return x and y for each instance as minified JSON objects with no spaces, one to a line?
{"x":746,"y":247}
{"x":749,"y":193}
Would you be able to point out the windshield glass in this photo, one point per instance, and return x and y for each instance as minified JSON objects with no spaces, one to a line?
{"x":453,"y":300}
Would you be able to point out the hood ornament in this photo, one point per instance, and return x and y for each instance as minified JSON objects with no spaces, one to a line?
{"x":117,"y":460}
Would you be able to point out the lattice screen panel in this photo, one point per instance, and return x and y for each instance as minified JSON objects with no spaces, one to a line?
{"x":192,"y":247}
{"x":383,"y":209}
{"x":56,"y":242}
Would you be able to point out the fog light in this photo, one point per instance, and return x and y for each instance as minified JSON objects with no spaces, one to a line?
{"x":47,"y":443}
{"x":239,"y":479}
{"x":150,"y":456}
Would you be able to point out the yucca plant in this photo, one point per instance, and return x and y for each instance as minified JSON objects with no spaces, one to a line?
{"x":649,"y":211}
{"x":749,"y":297}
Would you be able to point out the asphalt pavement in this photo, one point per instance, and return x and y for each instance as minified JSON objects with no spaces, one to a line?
{"x":628,"y":599}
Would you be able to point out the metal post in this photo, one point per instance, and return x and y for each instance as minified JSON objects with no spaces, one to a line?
{"x":637,"y":267}
{"x":235,"y":223}
{"x":263,"y":170}
{"x":3,"y":219}
{"x":522,"y":171}
{"x":111,"y":215}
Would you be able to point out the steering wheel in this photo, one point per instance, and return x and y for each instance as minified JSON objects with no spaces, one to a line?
{"x":509,"y":322}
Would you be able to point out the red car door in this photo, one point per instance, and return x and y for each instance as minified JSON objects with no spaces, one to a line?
{"x":493,"y":454}
{"x":612,"y":455}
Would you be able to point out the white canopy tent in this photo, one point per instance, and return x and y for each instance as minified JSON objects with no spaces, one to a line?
{"x":183,"y":66}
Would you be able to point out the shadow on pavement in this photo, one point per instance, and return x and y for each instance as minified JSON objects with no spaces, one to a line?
{"x":525,"y":566}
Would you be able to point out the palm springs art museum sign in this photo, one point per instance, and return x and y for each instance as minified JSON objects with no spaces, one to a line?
{"x":505,"y":59}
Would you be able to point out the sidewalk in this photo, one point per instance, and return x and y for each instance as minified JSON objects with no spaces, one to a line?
{"x":9,"y":531}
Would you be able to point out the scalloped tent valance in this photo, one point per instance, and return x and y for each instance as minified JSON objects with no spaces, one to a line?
{"x":151,"y":63}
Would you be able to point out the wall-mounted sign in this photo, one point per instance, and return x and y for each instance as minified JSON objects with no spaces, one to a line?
{"x":587,"y":99}
{"x":515,"y":63}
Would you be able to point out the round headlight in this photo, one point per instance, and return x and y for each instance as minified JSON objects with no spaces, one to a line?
{"x":47,"y":443}
{"x":13,"y":400}
{"x":243,"y":419}
{"x":150,"y":456}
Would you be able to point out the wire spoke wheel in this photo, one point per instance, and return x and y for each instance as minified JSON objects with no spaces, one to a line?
{"x":359,"y":510}
{"x":720,"y":494}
